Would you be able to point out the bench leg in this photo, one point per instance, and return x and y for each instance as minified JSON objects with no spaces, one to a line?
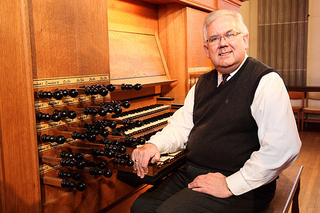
{"x":295,"y":201}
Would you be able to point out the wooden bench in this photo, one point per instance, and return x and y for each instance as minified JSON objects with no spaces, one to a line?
{"x":287,"y":192}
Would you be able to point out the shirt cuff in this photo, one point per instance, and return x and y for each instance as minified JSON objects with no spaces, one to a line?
{"x":237,"y":184}
{"x":160,"y":146}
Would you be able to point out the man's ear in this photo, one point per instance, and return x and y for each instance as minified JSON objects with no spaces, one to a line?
{"x":246,"y":40}
{"x":207,"y":50}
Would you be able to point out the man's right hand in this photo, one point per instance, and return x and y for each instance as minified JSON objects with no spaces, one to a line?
{"x":142,"y":156}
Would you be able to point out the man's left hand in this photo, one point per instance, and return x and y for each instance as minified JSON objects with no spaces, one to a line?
{"x":213,"y":184}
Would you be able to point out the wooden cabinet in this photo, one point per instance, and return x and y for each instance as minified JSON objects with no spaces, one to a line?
{"x":181,"y":36}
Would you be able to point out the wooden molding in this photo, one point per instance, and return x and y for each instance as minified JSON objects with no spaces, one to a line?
{"x":237,"y":3}
{"x":199,"y":4}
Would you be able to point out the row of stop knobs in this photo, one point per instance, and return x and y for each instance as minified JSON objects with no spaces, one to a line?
{"x":70,"y":184}
{"x":104,"y":109}
{"x":79,"y":163}
{"x":58,"y":94}
{"x":102,"y":90}
{"x":56,"y":115}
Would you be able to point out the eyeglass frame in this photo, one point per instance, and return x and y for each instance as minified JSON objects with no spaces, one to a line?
{"x":236,"y":33}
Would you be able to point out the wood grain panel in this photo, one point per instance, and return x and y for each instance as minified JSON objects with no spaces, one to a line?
{"x":134,"y":55}
{"x":133,"y":13}
{"x":99,"y":193}
{"x":181,"y":36}
{"x":19,"y":170}
{"x":173,"y":38}
{"x":196,"y":53}
{"x":70,"y":38}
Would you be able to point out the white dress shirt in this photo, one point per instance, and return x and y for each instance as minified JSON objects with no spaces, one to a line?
{"x":277,"y":132}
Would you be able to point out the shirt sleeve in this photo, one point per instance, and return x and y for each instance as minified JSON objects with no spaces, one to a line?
{"x":174,"y":136}
{"x":278,"y":137}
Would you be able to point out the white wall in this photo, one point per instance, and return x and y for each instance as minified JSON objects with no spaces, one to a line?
{"x":249,"y":12}
{"x":313,"y":61}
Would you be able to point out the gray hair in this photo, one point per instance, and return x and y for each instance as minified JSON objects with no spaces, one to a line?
{"x":219,"y":13}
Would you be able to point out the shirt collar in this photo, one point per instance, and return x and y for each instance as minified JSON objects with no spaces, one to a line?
{"x":233,"y":73}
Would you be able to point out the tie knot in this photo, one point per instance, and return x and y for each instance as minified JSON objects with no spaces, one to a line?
{"x":224,"y":78}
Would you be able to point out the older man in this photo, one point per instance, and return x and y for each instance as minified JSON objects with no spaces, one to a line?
{"x":237,"y":125}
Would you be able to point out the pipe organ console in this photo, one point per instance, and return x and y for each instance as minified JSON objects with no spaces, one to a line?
{"x":93,"y":136}
{"x":93,"y":80}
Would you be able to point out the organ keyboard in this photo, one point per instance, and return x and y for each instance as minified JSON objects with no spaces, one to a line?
{"x":143,"y":111}
{"x":136,"y":130}
{"x":156,"y":172}
{"x":151,"y":121}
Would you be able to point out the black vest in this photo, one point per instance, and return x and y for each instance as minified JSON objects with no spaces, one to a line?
{"x":225,"y":133}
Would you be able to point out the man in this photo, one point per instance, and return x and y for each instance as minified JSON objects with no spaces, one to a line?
{"x":237,"y":125}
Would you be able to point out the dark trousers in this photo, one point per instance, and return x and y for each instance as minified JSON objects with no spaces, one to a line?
{"x":174,"y":196}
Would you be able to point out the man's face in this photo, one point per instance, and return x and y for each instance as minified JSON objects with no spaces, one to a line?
{"x":226,"y":56}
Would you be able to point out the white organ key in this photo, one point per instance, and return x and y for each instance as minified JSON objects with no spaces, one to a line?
{"x":174,"y":154}
{"x":165,"y":158}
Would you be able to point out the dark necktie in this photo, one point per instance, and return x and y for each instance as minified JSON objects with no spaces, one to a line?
{"x":224,"y":79}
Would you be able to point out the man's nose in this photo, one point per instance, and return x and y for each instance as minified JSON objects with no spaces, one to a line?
{"x":223,"y":42}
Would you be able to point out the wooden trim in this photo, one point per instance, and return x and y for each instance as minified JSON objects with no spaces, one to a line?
{"x":237,"y":3}
{"x":200,"y":6}
{"x":305,"y":89}
{"x":129,"y":29}
{"x":190,"y":3}
{"x":294,"y":191}
{"x":165,"y":66}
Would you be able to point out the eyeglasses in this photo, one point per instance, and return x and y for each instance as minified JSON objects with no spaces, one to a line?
{"x":229,"y":36}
